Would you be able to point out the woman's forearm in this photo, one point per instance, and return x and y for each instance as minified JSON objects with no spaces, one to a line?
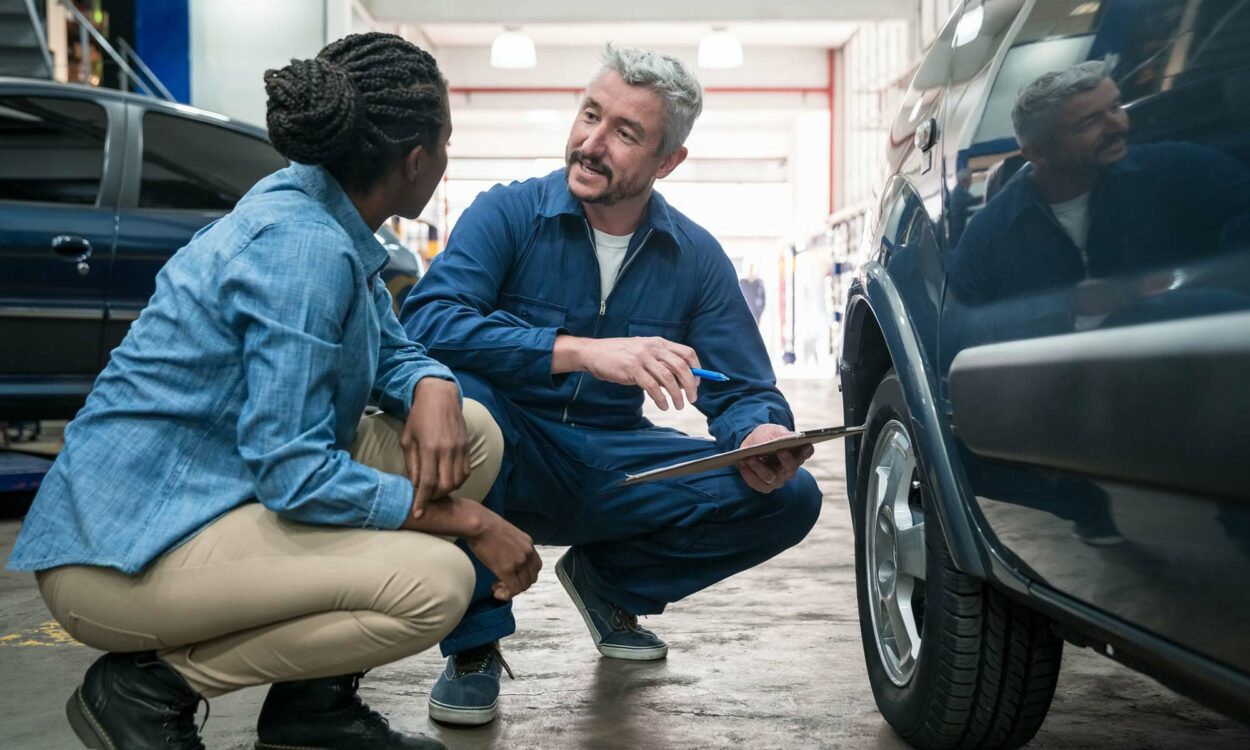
{"x":450,"y":516}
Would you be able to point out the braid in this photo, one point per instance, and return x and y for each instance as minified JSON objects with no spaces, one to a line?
{"x":364,"y":99}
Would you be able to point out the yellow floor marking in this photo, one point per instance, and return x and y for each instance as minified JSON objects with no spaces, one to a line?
{"x":47,"y":634}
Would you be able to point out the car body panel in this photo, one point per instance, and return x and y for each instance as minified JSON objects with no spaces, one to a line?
{"x":52,"y":304}
{"x":998,"y":434}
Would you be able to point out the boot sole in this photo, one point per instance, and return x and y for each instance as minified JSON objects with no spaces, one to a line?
{"x":465,"y":717}
{"x":612,"y":652}
{"x":85,"y":725}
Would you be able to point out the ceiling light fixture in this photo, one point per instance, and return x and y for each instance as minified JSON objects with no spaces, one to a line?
{"x":720,"y":50}
{"x":513,"y":49}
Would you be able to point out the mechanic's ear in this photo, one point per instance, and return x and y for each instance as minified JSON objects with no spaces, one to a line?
{"x":1033,"y":154}
{"x":670,"y":162}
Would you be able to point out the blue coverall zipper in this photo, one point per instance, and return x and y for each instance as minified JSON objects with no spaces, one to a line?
{"x":603,"y":304}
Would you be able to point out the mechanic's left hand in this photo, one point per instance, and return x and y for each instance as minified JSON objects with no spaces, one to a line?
{"x":435,"y":442}
{"x":767,"y":473}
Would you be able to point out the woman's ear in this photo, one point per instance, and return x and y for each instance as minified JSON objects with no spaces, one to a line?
{"x":414,"y":162}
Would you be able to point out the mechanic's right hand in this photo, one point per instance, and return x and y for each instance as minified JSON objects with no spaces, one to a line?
{"x":654,"y":364}
{"x":507,"y":552}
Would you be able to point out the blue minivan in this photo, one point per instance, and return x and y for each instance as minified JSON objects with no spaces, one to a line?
{"x":1049,"y":342}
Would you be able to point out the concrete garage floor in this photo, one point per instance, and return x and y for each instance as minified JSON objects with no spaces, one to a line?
{"x":769,"y":659}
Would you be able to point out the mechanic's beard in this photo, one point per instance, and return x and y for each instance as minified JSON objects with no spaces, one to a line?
{"x":614,"y":192}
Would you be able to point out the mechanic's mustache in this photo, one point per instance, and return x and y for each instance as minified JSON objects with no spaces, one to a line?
{"x":1112,"y":143}
{"x":595,"y":164}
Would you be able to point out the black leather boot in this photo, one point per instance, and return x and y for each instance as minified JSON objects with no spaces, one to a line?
{"x":327,"y":714}
{"x":136,"y":702}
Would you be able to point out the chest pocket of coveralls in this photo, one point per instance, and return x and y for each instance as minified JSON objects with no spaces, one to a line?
{"x":673,"y":330}
{"x":536,"y":312}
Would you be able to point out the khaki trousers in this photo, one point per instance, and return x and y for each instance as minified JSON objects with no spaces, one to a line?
{"x":254,"y":598}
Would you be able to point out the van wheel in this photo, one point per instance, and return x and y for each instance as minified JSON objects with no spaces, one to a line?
{"x":952,"y":662}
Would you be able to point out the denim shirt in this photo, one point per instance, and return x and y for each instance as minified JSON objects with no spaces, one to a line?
{"x":243,"y":379}
{"x":520,"y":268}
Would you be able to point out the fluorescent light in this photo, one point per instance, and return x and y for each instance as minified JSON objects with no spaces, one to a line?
{"x":513,"y":49}
{"x":1084,"y":9}
{"x":720,"y":49}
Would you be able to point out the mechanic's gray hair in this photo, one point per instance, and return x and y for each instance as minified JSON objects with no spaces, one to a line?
{"x":1037,"y":107}
{"x":666,"y":76}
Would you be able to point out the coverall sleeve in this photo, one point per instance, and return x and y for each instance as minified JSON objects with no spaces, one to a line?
{"x":723,"y":332}
{"x":287,"y":295}
{"x":401,"y":363}
{"x":454,"y":311}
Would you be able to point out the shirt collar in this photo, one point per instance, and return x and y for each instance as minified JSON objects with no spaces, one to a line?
{"x":321,"y":185}
{"x":558,"y":201}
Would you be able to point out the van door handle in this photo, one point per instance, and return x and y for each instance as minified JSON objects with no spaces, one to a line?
{"x":72,"y":248}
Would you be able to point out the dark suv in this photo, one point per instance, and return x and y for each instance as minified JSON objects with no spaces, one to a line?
{"x":97,"y":190}
{"x":1049,"y":343}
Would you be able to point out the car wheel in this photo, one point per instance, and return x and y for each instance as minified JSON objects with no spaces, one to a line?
{"x":952,"y":662}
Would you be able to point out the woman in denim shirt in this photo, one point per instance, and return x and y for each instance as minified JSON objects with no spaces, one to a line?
{"x":221,"y":515}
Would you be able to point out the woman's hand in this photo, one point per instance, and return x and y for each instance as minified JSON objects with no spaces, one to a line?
{"x":435,"y":442}
{"x":507,"y":552}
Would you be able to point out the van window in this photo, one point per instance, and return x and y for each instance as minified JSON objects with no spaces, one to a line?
{"x":51,"y":149}
{"x":194,"y":165}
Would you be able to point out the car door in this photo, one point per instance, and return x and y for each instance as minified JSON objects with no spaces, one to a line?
{"x":185,"y":172}
{"x":60,"y":160}
{"x":1098,"y":392}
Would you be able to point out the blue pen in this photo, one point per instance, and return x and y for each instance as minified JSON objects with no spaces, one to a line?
{"x":709,"y":375}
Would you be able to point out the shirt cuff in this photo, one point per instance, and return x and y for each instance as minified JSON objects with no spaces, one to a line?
{"x":392,"y":503}
{"x":432,"y":369}
{"x":745,"y":423}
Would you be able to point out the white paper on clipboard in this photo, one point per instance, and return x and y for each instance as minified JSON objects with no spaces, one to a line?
{"x":807,"y":437}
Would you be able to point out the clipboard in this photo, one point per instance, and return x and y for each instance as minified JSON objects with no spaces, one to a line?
{"x":728,"y":458}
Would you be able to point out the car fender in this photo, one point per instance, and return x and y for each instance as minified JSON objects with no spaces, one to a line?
{"x":875,"y":295}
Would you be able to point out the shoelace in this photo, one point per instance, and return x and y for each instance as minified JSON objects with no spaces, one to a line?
{"x":479,"y":661}
{"x":623,"y":619}
{"x":180,"y":721}
{"x":358,"y":707}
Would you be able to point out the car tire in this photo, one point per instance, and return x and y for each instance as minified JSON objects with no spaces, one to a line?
{"x":952,"y":662}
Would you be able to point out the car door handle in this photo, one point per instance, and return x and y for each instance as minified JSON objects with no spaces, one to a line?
{"x":71,"y":248}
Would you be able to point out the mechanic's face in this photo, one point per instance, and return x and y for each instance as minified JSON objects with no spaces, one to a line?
{"x":613,"y":153}
{"x":1089,"y":134}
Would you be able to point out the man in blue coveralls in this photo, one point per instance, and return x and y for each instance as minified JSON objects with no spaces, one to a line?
{"x":558,"y":302}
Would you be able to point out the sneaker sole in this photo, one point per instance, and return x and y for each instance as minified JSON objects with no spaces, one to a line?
{"x":85,"y":726}
{"x":467,"y":717}
{"x":610,"y":651}
{"x":633,"y":654}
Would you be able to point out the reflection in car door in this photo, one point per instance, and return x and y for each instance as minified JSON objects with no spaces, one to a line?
{"x":59,"y":164}
{"x":183,"y":174}
{"x":1100,"y":341}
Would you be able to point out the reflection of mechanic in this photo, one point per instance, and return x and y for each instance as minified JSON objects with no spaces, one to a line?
{"x":1088,"y":206}
{"x":961,"y":202}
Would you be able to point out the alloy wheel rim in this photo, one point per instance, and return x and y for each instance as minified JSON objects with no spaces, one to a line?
{"x":894,"y":530}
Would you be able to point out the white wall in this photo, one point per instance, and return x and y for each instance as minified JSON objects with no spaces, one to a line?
{"x":233,"y":42}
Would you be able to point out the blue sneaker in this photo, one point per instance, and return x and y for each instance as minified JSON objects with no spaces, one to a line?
{"x":616,"y":632}
{"x":467,"y":692}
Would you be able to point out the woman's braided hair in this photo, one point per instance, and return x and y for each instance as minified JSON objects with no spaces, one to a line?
{"x":363,"y":101}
